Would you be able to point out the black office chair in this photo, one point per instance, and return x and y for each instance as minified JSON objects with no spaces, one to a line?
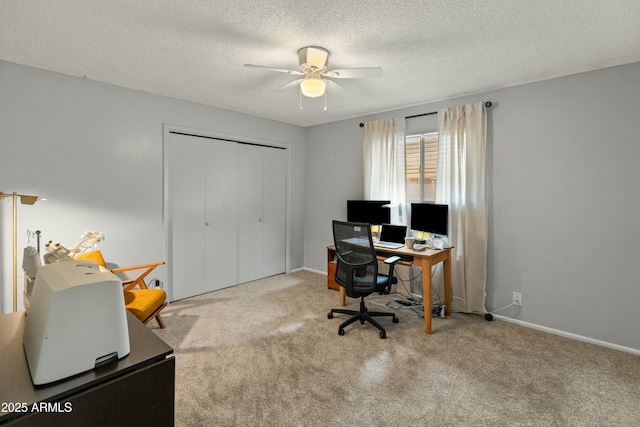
{"x":357,"y":272}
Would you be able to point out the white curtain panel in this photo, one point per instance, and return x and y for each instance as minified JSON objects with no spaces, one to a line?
{"x":461,"y":184}
{"x":384,"y":165}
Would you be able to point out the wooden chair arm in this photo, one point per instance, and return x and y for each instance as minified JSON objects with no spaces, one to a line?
{"x":137,"y":267}
{"x":132,"y":283}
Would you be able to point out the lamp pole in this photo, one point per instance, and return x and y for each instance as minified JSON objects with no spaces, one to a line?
{"x":25,"y":200}
{"x":15,"y":251}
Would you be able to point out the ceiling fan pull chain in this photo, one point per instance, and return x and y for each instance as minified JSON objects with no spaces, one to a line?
{"x":325,"y":100}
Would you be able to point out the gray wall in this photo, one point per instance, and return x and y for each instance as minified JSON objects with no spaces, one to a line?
{"x":563,"y":175}
{"x":564,"y":206}
{"x":95,"y":152}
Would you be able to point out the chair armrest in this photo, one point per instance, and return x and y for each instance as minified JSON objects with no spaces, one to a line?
{"x":139,"y":281}
{"x":137,"y":267}
{"x":392,"y":260}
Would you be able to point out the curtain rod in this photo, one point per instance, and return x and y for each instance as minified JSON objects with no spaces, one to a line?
{"x":486,"y":104}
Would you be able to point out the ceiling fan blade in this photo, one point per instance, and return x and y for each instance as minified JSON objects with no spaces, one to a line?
{"x":334,"y":87}
{"x":354,"y":73}
{"x":280,"y":70}
{"x":317,"y":57}
{"x":288,"y":85}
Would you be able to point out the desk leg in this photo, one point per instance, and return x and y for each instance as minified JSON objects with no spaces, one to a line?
{"x":448,"y":294}
{"x":343,"y":297}
{"x":426,"y":293}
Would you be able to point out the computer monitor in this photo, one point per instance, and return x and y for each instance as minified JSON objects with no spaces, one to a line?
{"x":369,"y":211}
{"x":430,"y":217}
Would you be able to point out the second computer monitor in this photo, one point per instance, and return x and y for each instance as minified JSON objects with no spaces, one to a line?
{"x":373,"y":212}
{"x":430,"y":217}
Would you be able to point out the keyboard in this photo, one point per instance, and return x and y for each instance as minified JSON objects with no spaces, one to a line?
{"x":388,"y":245}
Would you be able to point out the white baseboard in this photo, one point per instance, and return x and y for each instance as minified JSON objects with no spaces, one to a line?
{"x":324,"y":273}
{"x":558,"y":332}
{"x":569,"y":335}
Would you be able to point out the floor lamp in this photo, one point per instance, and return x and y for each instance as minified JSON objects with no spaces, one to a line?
{"x":25,"y":200}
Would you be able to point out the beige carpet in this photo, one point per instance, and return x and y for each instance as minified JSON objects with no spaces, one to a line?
{"x":265,"y":354}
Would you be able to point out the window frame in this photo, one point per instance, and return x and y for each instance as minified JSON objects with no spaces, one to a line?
{"x":423,"y":139}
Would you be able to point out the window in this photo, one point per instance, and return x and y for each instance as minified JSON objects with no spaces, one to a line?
{"x":421,"y":159}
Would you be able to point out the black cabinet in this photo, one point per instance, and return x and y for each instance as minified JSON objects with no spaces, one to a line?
{"x":138,"y":389}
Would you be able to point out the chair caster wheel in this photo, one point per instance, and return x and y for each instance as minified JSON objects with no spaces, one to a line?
{"x":395,"y":320}
{"x":329,"y":315}
{"x":488,"y":317}
{"x":340,"y":331}
{"x":383,"y":335}
{"x":362,"y":322}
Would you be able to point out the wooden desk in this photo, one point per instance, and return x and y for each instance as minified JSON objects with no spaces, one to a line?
{"x":426,"y":260}
{"x":136,"y":390}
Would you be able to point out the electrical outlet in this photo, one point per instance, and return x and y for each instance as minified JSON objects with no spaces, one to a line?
{"x":517,"y":298}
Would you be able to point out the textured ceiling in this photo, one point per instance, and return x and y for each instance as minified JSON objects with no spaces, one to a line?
{"x":429,"y":50}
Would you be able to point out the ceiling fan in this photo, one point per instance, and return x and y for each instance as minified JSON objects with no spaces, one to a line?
{"x":315,"y":74}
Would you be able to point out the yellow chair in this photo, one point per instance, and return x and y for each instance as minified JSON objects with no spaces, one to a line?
{"x":144,"y":303}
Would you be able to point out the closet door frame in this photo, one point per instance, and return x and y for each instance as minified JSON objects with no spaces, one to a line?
{"x":166,"y":217}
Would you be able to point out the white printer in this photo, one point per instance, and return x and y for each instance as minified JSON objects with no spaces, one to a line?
{"x":76,"y":320}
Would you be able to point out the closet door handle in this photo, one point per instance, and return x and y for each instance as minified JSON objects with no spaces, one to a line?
{"x":206,"y":223}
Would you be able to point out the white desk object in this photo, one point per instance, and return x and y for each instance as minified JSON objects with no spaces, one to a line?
{"x":75,"y":321}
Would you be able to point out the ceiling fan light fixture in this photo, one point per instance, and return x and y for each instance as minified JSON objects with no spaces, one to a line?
{"x":313,"y":86}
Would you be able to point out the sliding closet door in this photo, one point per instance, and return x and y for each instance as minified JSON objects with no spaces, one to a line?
{"x":202,"y":214}
{"x":225,"y":213}
{"x":186,"y":178}
{"x":274,"y":211}
{"x":261,"y":212}
{"x":221,"y":222}
{"x":250,"y":219}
